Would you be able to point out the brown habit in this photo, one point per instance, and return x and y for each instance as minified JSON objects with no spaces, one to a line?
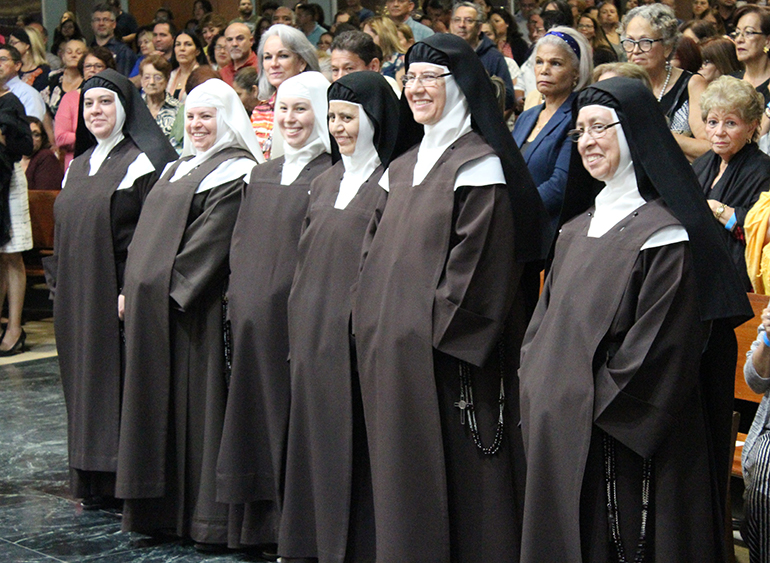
{"x":263,"y":257}
{"x":627,"y":365}
{"x":175,"y":390}
{"x":86,"y":271}
{"x":317,"y":519}
{"x":435,"y":290}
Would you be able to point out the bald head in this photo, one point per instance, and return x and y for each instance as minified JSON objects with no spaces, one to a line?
{"x":239,"y":39}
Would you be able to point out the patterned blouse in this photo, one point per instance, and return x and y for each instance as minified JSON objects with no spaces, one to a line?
{"x":166,"y":116}
{"x":262,"y":122}
{"x":53,"y":93}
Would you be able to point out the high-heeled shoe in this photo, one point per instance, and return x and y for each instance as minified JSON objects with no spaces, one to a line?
{"x":17,"y":348}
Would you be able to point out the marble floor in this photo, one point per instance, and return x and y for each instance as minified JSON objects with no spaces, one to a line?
{"x":39,"y":520}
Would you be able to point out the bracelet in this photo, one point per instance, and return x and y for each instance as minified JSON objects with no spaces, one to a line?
{"x":765,"y":339}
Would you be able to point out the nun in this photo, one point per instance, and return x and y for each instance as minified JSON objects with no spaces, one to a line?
{"x":263,"y":256}
{"x":438,"y":318}
{"x":327,"y":512}
{"x":176,"y":274}
{"x":119,"y":156}
{"x":624,"y":409}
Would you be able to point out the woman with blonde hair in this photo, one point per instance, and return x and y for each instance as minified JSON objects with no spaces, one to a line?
{"x":385,"y":34}
{"x":34,"y":68}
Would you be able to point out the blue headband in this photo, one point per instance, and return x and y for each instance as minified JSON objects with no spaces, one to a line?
{"x":568,"y":39}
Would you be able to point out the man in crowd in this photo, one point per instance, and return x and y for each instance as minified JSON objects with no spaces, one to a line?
{"x":103,"y":22}
{"x":306,"y":23}
{"x":283,"y":15}
{"x":466,"y":24}
{"x":163,"y":40}
{"x":354,"y":51}
{"x":126,"y":25}
{"x":246,"y":15}
{"x":239,"y":41}
{"x":439,"y":15}
{"x":345,"y":17}
{"x":526,"y":9}
{"x":400,"y":11}
{"x":355,"y":7}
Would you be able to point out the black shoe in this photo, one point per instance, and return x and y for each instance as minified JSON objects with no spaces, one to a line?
{"x":210,"y":548}
{"x":93,"y":503}
{"x":17,"y":348}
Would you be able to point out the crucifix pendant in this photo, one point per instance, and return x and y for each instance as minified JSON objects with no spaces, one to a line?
{"x":462,"y":404}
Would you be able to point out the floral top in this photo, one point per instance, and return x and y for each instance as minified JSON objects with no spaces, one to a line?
{"x":37,"y":77}
{"x":391,"y":67}
{"x":166,"y":117}
{"x":53,"y":93}
{"x":262,"y":122}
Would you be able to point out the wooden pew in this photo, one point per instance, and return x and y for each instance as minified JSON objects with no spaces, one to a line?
{"x":41,"y":215}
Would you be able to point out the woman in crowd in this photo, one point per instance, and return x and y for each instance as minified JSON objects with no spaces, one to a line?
{"x":68,"y":78}
{"x":175,"y":389}
{"x":649,"y":40}
{"x":698,"y":30}
{"x":34,"y":68}
{"x":734,"y":172}
{"x":219,"y":56}
{"x":687,"y":55}
{"x":211,"y":25}
{"x":283,"y":52}
{"x":66,"y":31}
{"x":563,"y":67}
{"x":93,"y":62}
{"x":327,"y":511}
{"x":188,"y":55}
{"x":700,"y":8}
{"x":438,"y":316}
{"x":752,"y":41}
{"x":755,"y":454}
{"x":610,"y":22}
{"x":718,"y":58}
{"x":511,"y":43}
{"x":562,"y":8}
{"x":155,"y":71}
{"x":385,"y":34}
{"x":119,"y":156}
{"x":628,"y":70}
{"x":263,"y":257}
{"x":628,"y":443}
{"x":15,"y":226}
{"x":144,"y":42}
{"x":594,"y":33}
{"x":42,"y":168}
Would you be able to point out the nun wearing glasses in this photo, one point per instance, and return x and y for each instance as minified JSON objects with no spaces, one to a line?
{"x":175,"y":387}
{"x":627,"y":442}
{"x":439,"y":315}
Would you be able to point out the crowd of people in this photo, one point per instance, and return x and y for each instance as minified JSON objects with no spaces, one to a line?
{"x":431,"y":283}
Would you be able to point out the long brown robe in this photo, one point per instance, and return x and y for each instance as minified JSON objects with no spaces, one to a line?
{"x":175,"y":389}
{"x":325,"y":514}
{"x":615,"y":348}
{"x":263,"y":257}
{"x":435,"y":291}
{"x":94,"y":225}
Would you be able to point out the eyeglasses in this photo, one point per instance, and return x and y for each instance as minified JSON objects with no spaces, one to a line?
{"x":629,"y":45}
{"x":747,"y":33}
{"x":153,"y":77}
{"x":585,"y":26}
{"x":596,"y":131}
{"x":101,"y":20}
{"x":97,"y":66}
{"x":427,"y":79}
{"x":466,"y":21}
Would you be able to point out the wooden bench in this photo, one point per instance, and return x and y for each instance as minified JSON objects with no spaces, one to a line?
{"x":41,"y":215}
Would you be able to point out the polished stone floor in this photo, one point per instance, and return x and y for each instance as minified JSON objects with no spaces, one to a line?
{"x":39,"y":521}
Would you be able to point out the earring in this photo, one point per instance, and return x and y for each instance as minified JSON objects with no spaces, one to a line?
{"x":766,"y":49}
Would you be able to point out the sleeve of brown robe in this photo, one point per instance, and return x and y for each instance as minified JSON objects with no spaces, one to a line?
{"x":659,"y":338}
{"x":202,"y":256}
{"x":480,"y":276}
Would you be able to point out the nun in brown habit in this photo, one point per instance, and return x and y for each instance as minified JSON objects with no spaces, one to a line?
{"x":263,"y":256}
{"x":120,"y":153}
{"x":327,"y":511}
{"x":628,"y":364}
{"x":438,"y":318}
{"x":175,"y":385}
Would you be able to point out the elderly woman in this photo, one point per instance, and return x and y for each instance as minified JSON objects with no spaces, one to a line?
{"x":188,"y":55}
{"x":119,"y":156}
{"x":155,"y":71}
{"x":66,"y":79}
{"x":42,"y":168}
{"x":438,"y":316}
{"x":67,"y":30}
{"x":563,"y":67}
{"x":175,"y":390}
{"x":734,"y":172}
{"x":283,"y":52}
{"x":93,"y":62}
{"x":252,"y":456}
{"x":627,"y":443}
{"x":649,"y":40}
{"x":752,"y":40}
{"x":327,"y":511}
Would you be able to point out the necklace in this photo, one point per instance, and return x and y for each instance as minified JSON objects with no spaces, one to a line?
{"x":665,"y":84}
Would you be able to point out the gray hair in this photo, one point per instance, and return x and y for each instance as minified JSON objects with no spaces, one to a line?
{"x":662,"y":20}
{"x":730,"y":94}
{"x":584,"y":65}
{"x":296,"y":42}
{"x":479,"y":12}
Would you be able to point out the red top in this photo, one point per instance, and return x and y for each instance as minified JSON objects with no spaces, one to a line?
{"x":228,"y":72}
